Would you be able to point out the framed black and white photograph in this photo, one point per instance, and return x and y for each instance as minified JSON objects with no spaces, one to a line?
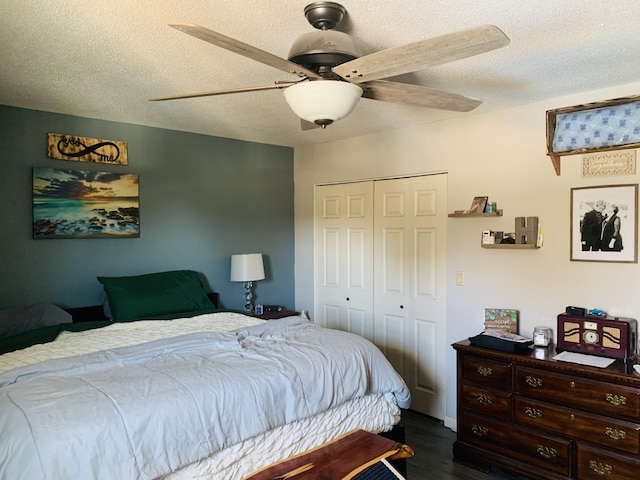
{"x":604,"y":225}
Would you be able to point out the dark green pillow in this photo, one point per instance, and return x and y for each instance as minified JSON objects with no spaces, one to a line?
{"x":155,"y":294}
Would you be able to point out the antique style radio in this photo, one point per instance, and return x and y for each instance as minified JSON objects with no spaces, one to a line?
{"x":603,"y":336}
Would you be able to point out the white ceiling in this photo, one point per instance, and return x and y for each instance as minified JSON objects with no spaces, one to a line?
{"x":105,"y":58}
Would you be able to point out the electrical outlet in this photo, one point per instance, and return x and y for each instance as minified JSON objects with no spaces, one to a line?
{"x":459,"y":279}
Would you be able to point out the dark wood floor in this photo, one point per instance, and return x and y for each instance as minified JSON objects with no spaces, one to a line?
{"x":432,"y":443}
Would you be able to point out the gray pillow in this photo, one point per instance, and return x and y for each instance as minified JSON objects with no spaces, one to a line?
{"x":23,"y":319}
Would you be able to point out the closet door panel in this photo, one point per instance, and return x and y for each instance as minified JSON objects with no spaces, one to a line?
{"x":343,"y":253}
{"x":409,"y":261}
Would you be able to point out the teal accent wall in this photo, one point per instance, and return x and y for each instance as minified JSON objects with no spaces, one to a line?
{"x":202,"y":199}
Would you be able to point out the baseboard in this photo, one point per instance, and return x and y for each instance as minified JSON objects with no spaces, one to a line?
{"x":451,"y":423}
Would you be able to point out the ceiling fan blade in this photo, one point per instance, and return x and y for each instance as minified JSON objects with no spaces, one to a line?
{"x":407,"y":94}
{"x":305,"y":125}
{"x":244,"y":49}
{"x":276,"y":86}
{"x":422,"y":54}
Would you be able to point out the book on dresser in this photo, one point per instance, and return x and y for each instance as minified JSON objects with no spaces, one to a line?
{"x":533,"y":416}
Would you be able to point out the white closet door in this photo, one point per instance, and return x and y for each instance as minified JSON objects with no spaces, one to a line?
{"x":344,"y":252}
{"x":410,"y":284}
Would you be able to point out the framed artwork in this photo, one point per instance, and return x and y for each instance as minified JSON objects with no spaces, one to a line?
{"x":604,"y":224}
{"x":505,"y":319}
{"x":85,"y":149}
{"x":82,"y":204}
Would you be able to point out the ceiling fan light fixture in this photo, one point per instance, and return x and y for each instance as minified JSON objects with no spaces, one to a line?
{"x":322,"y":101}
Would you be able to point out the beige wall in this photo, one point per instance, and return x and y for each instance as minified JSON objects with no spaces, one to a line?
{"x":502,"y":155}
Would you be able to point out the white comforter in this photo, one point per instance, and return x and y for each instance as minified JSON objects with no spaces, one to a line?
{"x":143,"y":411}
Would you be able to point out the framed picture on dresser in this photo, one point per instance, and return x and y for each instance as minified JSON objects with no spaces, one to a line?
{"x":604,"y":225}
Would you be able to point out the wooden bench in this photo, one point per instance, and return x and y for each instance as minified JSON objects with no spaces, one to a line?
{"x":341,"y":459}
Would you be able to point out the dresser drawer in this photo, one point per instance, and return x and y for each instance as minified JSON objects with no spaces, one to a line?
{"x":544,"y":451}
{"x":593,"y":463}
{"x":598,"y":397}
{"x":487,"y":373}
{"x":607,"y":432}
{"x":483,"y":401}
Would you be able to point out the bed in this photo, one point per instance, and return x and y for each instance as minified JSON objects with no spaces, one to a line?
{"x":190,"y":394}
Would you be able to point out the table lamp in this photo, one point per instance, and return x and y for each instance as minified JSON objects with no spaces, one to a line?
{"x":247,"y":268}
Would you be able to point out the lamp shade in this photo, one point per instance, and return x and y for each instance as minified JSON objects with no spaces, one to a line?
{"x":322,"y":101}
{"x":247,"y":267}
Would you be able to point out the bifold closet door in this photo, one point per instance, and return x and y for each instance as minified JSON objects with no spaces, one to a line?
{"x":380,"y":252}
{"x":410,"y":284}
{"x":344,"y":253}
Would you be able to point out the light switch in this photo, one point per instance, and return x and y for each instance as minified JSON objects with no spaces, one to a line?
{"x":459,"y":279}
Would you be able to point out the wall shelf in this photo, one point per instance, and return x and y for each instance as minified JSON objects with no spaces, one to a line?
{"x":461,"y":214}
{"x":512,"y":246}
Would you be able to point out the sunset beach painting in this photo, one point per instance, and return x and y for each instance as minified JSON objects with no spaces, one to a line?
{"x":83,"y":204}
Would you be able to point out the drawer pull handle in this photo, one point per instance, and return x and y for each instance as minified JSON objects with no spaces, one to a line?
{"x":547,"y":452}
{"x":615,"y":434}
{"x":484,"y":400}
{"x":616,"y":400}
{"x":485,"y":371}
{"x":533,"y":381}
{"x":599,"y":468}
{"x":533,"y":412}
{"x":572,"y":384}
{"x":479,"y":431}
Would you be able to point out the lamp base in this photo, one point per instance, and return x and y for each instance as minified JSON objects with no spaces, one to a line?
{"x":248,"y":296}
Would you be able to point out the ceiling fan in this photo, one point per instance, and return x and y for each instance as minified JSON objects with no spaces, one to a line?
{"x":333,"y":76}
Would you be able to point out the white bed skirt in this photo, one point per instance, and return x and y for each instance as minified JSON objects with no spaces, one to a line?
{"x":373,"y":413}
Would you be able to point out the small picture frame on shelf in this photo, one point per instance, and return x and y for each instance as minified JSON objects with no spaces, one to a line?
{"x":508,"y":238}
{"x":478,"y":205}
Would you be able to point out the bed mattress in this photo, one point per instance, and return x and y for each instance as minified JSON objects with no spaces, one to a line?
{"x":364,"y":400}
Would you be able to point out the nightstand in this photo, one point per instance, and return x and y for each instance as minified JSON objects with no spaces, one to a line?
{"x":274,"y":315}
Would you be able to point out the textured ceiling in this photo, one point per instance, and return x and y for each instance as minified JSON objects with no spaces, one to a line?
{"x":105,"y":59}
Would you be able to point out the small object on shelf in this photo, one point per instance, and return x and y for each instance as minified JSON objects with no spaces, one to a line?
{"x":490,"y":208}
{"x":478,"y":205}
{"x":527,"y":230}
{"x":508,"y":238}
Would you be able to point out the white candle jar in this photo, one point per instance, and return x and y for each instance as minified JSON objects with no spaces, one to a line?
{"x":541,"y":336}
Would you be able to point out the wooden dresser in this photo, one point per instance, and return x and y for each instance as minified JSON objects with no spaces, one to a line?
{"x":542,"y":419}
